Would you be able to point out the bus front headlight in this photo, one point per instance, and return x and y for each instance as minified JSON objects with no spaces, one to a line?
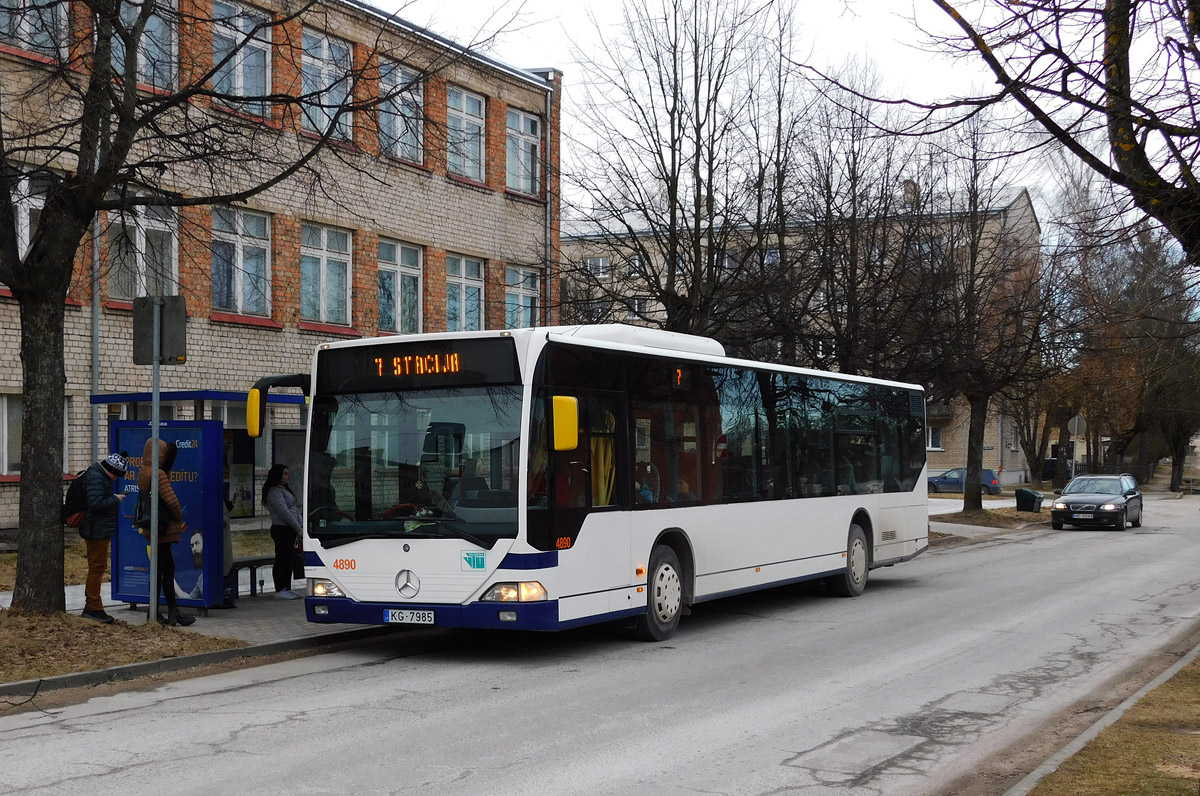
{"x":527,"y":591}
{"x":320,"y":587}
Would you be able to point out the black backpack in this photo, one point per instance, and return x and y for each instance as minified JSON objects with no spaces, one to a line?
{"x":74,"y":507}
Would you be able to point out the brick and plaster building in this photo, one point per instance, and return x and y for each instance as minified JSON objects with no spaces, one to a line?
{"x":435,"y":211}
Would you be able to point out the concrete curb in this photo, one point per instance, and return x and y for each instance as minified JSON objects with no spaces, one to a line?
{"x":130,"y":671}
{"x":1031,"y":781}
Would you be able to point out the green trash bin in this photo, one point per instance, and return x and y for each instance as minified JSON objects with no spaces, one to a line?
{"x":1029,"y":500}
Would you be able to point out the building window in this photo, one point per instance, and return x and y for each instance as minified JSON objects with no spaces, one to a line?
{"x":464,"y":293}
{"x":39,"y":26}
{"x":598,"y":267}
{"x":240,"y":260}
{"x":636,"y":308}
{"x":933,"y":438}
{"x":524,"y":142}
{"x":324,"y":274}
{"x":401,"y":113}
{"x":141,"y":253}
{"x":29,"y":197}
{"x":522,"y":286}
{"x":241,"y":55}
{"x":465,"y":137}
{"x":399,"y":288}
{"x":326,"y":72}
{"x":156,"y":49}
{"x":10,"y":417}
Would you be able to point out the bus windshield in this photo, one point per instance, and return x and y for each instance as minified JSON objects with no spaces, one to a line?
{"x":414,"y":464}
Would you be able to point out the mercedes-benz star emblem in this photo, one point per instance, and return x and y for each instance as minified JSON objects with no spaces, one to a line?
{"x":408,"y":584}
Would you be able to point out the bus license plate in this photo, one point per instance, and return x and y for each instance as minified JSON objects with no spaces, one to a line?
{"x":408,"y":617}
{"x":1083,"y":516}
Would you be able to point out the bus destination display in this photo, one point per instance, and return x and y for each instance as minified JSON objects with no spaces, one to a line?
{"x":423,"y":365}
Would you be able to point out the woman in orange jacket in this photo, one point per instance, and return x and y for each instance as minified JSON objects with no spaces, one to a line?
{"x":170,"y":524}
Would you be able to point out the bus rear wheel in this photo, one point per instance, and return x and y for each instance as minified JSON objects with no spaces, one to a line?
{"x":664,"y":597}
{"x":853,"y":581}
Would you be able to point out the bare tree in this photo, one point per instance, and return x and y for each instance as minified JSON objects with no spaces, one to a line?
{"x":1118,"y":71}
{"x":659,"y":158}
{"x":136,"y":107}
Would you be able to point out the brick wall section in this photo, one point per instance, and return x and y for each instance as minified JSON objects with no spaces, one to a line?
{"x":493,"y":293}
{"x":285,"y":270}
{"x":496,"y":145}
{"x":195,"y":259}
{"x":365,"y":290}
{"x":433,"y":310}
{"x":435,"y":125}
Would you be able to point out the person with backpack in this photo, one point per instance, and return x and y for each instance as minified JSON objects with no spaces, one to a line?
{"x":98,"y":528}
{"x":170,"y":525}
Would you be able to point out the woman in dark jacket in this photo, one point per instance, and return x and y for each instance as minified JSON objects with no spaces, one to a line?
{"x":98,"y":528}
{"x":170,"y":524}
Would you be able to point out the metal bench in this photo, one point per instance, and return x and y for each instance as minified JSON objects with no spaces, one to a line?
{"x":252,"y":563}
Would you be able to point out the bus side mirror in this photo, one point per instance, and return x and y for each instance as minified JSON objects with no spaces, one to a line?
{"x":256,"y":399}
{"x":566,"y":422}
{"x":256,"y":412}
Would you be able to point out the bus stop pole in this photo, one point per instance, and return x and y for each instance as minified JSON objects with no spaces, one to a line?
{"x":152,"y":610}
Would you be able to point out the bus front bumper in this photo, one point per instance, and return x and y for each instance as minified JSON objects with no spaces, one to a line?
{"x":490,"y":615}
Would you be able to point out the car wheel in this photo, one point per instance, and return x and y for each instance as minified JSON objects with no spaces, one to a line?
{"x":932,"y":489}
{"x":1122,"y":520}
{"x":664,"y":597}
{"x":1137,"y":523}
{"x":1056,"y":525}
{"x":853,"y":581}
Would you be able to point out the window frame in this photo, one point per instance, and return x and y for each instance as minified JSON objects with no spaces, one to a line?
{"x":400,"y":269}
{"x":402,"y":103}
{"x":458,"y":135}
{"x":21,"y":31}
{"x":598,"y":267}
{"x":518,"y":142}
{"x":331,"y":76}
{"x":246,"y":38}
{"x":140,"y":220}
{"x":322,"y":254}
{"x":240,"y":239}
{"x":465,"y":282}
{"x":145,"y":64}
{"x":520,"y":290}
{"x":929,"y":438}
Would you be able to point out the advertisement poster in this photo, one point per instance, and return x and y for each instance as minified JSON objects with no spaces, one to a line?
{"x":196,"y":477}
{"x":239,"y":472}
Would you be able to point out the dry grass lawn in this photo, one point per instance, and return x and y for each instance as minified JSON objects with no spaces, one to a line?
{"x":1154,"y":750}
{"x":34,"y":646}
{"x":999,"y":517}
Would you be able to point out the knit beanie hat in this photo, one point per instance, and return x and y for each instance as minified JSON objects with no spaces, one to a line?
{"x":115,"y":463}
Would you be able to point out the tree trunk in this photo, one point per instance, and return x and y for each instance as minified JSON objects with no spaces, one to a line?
{"x":39,"y":577}
{"x":973,"y":478}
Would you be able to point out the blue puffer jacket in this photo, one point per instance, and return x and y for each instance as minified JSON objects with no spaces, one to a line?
{"x":103,"y":505}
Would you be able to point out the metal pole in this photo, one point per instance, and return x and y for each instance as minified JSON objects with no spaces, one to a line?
{"x":95,"y":335}
{"x":152,"y":614}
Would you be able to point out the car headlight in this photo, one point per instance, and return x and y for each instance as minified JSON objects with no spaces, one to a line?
{"x":527,"y":591}
{"x":1108,"y":507}
{"x":1058,"y":504}
{"x":320,"y":587}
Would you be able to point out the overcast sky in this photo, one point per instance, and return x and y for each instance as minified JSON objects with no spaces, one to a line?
{"x":547,"y":33}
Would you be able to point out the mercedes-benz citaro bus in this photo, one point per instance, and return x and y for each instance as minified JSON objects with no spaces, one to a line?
{"x":553,"y":477}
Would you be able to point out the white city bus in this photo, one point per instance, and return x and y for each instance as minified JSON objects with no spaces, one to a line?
{"x":553,"y":477}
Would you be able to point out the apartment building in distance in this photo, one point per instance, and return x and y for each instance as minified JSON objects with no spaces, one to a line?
{"x":435,"y":210}
{"x":609,"y":276}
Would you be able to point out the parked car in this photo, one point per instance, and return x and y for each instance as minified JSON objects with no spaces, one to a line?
{"x":952,"y":481}
{"x":1098,"y":500}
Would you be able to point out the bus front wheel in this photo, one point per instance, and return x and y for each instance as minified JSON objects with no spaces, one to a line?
{"x":664,"y":596}
{"x":853,"y":581}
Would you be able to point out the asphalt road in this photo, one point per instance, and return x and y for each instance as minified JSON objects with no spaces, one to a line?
{"x":945,"y":665}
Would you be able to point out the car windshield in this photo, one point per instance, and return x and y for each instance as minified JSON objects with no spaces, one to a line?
{"x":1094,"y":486}
{"x":414,"y":463}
